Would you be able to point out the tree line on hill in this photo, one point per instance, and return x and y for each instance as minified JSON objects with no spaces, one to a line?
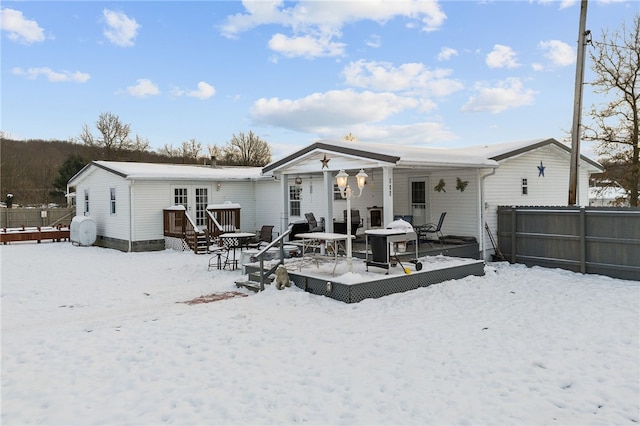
{"x":36,"y":172}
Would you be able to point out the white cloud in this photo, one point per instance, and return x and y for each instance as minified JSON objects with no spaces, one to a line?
{"x":410,"y":77}
{"x":333,"y":109}
{"x":121,"y":30}
{"x":502,"y":57}
{"x":558,"y":52}
{"x":408,"y":134}
{"x":374,"y":41}
{"x":447,"y":53}
{"x":320,"y":14}
{"x":145,"y":87}
{"x":305,"y":46}
{"x":205,"y":91}
{"x":19,"y":28}
{"x":563,"y":4}
{"x":324,"y":20}
{"x":53,"y":76}
{"x":505,"y":95}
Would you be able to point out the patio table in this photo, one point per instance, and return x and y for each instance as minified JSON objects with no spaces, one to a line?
{"x":324,"y":241}
{"x":233,"y":240}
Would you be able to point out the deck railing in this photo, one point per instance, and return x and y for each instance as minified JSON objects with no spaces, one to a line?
{"x":178,"y":224}
{"x":227,"y":218}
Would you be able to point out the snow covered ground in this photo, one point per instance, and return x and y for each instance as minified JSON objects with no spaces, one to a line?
{"x":96,"y":336}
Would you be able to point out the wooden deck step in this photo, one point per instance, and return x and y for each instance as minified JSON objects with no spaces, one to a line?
{"x":255,"y":276}
{"x":250,"y":285}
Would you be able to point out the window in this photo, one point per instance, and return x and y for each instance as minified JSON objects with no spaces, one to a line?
{"x":525,"y":187}
{"x":86,"y":202}
{"x":294,"y":200}
{"x":112,"y":200}
{"x":201,"y":205}
{"x":336,"y":192}
{"x":180,"y":197}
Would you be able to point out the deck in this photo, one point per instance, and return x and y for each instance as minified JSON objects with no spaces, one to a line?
{"x":57,"y":233}
{"x":439,"y":263}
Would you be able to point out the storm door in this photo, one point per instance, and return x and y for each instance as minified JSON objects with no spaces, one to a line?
{"x":202,"y":199}
{"x":418,"y":199}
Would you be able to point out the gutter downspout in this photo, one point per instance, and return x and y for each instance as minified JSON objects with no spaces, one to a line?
{"x":131,"y":214}
{"x":483,"y":246}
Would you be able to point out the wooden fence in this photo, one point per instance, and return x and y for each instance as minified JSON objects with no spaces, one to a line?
{"x":593,"y":240}
{"x":19,"y":217}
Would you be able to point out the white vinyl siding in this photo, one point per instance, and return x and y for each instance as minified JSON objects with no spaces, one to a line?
{"x":552,"y":189}
{"x":461,"y":206}
{"x":99,"y":184}
{"x":268,"y":207}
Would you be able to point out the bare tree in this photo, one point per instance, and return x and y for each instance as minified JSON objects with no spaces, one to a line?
{"x":190,"y":150}
{"x":615,"y":125}
{"x":168,"y":151}
{"x":113,"y":137}
{"x":247,"y":150}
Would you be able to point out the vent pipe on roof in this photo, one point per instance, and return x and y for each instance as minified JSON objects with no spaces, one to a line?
{"x":213,"y":161}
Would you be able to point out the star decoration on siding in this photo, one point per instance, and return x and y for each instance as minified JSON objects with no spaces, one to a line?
{"x":541,"y":170}
{"x":325,"y":162}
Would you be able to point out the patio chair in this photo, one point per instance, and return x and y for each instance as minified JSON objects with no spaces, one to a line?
{"x":356,"y":221}
{"x":265,"y":236}
{"x":432,"y":228}
{"x":313,"y":223}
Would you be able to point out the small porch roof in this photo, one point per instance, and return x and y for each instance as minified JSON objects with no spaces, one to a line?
{"x":339,"y":154}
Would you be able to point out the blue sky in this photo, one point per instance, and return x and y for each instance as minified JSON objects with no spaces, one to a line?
{"x":429,"y":73}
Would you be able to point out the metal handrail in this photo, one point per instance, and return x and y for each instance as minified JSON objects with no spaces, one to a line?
{"x":262,"y":253}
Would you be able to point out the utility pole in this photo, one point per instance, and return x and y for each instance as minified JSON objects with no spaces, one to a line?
{"x":577,"y":107}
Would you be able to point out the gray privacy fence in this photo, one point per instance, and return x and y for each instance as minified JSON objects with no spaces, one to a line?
{"x":593,"y":240}
{"x":18,"y":217}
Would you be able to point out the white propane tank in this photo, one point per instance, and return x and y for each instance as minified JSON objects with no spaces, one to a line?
{"x":83,"y":231}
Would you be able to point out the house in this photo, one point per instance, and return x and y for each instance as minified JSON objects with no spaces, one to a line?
{"x":416,"y":183}
{"x":420,"y":183}
{"x":126,"y":200}
{"x":531,"y":173}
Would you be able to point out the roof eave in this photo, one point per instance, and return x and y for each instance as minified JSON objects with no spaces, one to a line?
{"x":322,"y":146}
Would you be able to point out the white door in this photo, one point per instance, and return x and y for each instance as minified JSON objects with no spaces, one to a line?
{"x":195,"y":201}
{"x":201,"y":201}
{"x":418,"y":198}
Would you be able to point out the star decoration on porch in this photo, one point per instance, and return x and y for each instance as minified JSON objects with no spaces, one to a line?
{"x":325,"y":162}
{"x":541,"y":169}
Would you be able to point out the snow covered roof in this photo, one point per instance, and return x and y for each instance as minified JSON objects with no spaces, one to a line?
{"x":502,"y":151}
{"x":606,"y":192}
{"x":163,"y":171}
{"x":376,"y":154}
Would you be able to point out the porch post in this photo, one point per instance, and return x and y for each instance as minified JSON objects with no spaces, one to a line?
{"x":480,"y":213}
{"x":284,"y":188}
{"x":328,"y":189}
{"x":387,"y":195}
